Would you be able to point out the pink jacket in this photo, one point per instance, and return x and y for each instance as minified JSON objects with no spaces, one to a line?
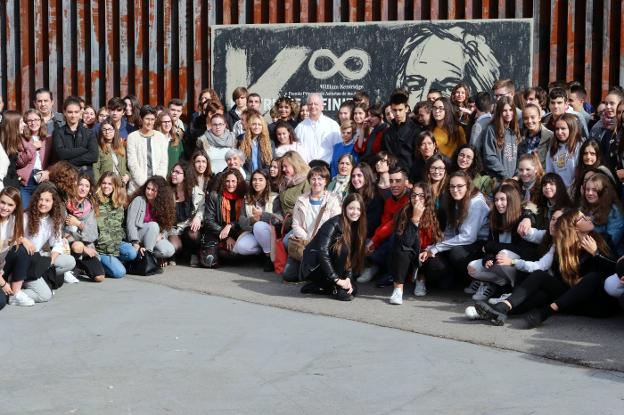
{"x":26,"y":157}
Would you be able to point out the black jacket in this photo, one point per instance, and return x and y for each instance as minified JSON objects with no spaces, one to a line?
{"x":320,"y":253}
{"x":78,"y":147}
{"x":400,"y":141}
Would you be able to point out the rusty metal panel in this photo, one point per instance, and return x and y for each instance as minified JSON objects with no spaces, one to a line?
{"x":100,"y":48}
{"x":570,"y":44}
{"x":589,"y":16}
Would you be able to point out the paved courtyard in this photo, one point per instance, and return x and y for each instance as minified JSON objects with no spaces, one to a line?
{"x":254,"y":345}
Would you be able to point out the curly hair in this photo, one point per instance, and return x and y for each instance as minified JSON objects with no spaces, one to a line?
{"x":475,"y":167}
{"x":241,"y":185}
{"x":57,"y":213}
{"x":163,"y":207}
{"x":429,"y":220}
{"x":65,"y":176}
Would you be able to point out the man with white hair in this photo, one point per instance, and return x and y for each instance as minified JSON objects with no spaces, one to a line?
{"x":318,"y":133}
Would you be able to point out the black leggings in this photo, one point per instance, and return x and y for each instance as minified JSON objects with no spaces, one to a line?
{"x":449,"y":267}
{"x":586,"y":298}
{"x":16,"y":264}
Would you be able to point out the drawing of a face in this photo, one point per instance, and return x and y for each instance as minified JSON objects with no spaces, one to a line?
{"x":436,"y":57}
{"x":438,"y":64}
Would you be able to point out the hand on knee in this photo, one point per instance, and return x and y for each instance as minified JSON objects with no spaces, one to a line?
{"x":77,"y":247}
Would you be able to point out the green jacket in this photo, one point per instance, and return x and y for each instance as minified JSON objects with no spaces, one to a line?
{"x":289,"y":197}
{"x":105,"y":163}
{"x":110,"y":223}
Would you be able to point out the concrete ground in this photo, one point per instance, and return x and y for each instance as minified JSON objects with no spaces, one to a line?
{"x":136,"y":346}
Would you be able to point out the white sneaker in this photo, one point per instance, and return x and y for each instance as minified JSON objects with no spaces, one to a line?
{"x":473,"y":287}
{"x":368,"y":274}
{"x":500,"y":299}
{"x":472,"y":313}
{"x":485,"y":291}
{"x":69,"y":278}
{"x":397,"y":297}
{"x":21,"y":299}
{"x":420,"y":290}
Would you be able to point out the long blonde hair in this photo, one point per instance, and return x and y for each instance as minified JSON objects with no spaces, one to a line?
{"x":568,"y":246}
{"x":264,"y":141}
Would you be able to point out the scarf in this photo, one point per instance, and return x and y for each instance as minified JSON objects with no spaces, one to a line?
{"x":226,"y":140}
{"x":79,"y":210}
{"x":340,"y":185}
{"x":526,"y":188}
{"x":226,"y":206}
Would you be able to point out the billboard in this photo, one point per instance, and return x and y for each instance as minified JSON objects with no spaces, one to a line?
{"x":339,"y":59}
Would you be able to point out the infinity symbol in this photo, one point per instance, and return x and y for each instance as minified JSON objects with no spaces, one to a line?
{"x":338,"y":64}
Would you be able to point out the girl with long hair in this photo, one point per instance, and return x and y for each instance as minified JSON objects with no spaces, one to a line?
{"x":14,"y":255}
{"x":536,"y":137}
{"x":582,"y":262}
{"x":501,"y":139}
{"x":256,"y":144}
{"x":363,"y":182}
{"x":553,"y":196}
{"x":285,"y":139}
{"x":132,"y":110}
{"x":151,"y":213}
{"x":437,"y":178}
{"x":223,"y":210}
{"x":488,"y":275}
{"x":459,"y":98}
{"x":361,"y":131}
{"x":10,"y":143}
{"x":164,"y":124}
{"x":34,"y":155}
{"x":340,"y":183}
{"x":275,"y":174}
{"x":81,"y":230}
{"x":426,"y":147}
{"x":530,"y":173}
{"x":465,"y":234}
{"x":564,"y":150}
{"x":601,"y":203}
{"x":445,"y":128}
{"x":190,"y":186}
{"x":384,"y":162}
{"x":43,"y":226}
{"x":261,"y":210}
{"x":110,"y":203}
{"x":112,"y":154}
{"x":467,"y":158}
{"x":590,"y":158}
{"x":337,"y":252}
{"x":416,"y":228}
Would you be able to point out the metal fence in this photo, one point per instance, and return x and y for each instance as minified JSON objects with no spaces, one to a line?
{"x":159,"y":49}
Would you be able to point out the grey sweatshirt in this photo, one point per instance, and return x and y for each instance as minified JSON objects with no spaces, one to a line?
{"x":500,"y":162}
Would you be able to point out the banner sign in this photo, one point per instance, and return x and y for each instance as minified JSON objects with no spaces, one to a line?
{"x":339,"y":59}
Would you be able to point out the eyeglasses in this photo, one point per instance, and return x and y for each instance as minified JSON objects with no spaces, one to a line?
{"x":176,"y":172}
{"x":108,"y":130}
{"x":34,"y":120}
{"x":417,"y":195}
{"x":437,"y":108}
{"x":456,"y":186}
{"x":433,"y":168}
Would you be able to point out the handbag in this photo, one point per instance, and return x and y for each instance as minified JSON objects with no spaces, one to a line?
{"x":144,"y":264}
{"x":296,"y":245}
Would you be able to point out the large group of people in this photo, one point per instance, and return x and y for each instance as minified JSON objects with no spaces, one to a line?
{"x":514,"y":195}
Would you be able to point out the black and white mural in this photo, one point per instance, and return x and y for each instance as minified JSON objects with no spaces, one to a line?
{"x":339,"y":59}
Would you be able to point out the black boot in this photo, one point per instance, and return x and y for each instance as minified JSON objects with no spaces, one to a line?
{"x":268,"y":264}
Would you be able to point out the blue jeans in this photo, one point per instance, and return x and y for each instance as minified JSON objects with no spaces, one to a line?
{"x":27,"y":191}
{"x":113,"y":266}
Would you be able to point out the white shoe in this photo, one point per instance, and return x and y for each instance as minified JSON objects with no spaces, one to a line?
{"x":21,"y":299}
{"x":420,"y":290}
{"x":69,"y":278}
{"x":500,"y":299}
{"x":368,"y":274}
{"x":472,"y":313}
{"x":397,"y":297}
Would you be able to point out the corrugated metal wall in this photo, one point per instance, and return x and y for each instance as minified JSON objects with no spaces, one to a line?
{"x":158,"y":49}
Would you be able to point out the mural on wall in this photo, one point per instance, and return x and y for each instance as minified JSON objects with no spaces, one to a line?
{"x":339,"y":59}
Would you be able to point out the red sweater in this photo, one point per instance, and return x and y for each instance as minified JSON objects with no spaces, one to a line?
{"x":391,"y":207}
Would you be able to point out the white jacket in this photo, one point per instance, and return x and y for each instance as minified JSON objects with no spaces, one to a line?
{"x":136,"y":153}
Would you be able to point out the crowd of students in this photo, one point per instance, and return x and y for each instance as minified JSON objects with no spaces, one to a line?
{"x":515,"y":195}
